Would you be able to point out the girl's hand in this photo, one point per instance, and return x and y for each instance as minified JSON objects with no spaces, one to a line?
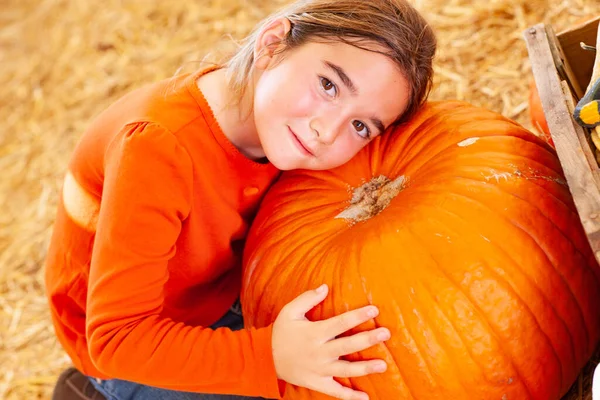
{"x":307,"y":353}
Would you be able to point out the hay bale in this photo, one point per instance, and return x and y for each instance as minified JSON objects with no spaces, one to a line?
{"x":62,"y":61}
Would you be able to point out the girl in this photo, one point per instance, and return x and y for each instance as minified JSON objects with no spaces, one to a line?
{"x":144,"y":263}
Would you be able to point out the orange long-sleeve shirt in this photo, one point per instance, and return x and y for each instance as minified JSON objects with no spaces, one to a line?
{"x":146,"y":247}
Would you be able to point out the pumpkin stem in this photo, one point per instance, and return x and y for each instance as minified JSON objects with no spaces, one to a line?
{"x":370,"y":199}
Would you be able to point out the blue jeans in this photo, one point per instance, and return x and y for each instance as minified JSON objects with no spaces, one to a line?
{"x":117,"y":389}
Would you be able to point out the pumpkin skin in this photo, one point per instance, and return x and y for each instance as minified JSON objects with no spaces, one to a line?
{"x":536,"y":113}
{"x":479,"y":265}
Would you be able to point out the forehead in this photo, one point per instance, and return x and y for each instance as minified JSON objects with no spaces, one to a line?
{"x":382,"y":88}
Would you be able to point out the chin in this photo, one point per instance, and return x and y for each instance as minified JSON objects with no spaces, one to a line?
{"x":282,"y":165}
{"x":280,"y":158}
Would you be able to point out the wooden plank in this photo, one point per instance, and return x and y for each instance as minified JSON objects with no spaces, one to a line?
{"x":584,"y":138}
{"x":581,"y":60}
{"x":562,"y":64}
{"x":571,"y":153}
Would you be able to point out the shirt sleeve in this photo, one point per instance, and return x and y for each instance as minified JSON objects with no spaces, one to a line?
{"x":147,"y":191}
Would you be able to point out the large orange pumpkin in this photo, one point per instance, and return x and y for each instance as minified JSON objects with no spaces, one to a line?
{"x":460,"y":227}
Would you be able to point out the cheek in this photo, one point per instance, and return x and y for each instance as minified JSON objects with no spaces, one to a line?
{"x":345,"y":150}
{"x":269,"y":89}
{"x":282,"y":97}
{"x":301,"y":101}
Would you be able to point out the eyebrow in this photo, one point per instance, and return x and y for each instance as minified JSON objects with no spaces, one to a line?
{"x":342,"y":75}
{"x":350,"y":85}
{"x":378,"y":124}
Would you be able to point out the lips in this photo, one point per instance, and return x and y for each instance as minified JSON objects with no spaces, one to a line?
{"x":302,"y":147}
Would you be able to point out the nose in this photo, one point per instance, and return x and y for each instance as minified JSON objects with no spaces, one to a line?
{"x":327,"y":128}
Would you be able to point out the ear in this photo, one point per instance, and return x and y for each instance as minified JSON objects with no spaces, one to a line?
{"x":269,"y":40}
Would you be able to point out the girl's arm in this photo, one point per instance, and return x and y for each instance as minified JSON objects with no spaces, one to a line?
{"x":146,"y":196}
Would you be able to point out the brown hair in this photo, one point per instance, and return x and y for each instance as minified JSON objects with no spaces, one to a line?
{"x":399,"y":29}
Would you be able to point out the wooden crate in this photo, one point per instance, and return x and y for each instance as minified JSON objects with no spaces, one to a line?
{"x":562,"y":71}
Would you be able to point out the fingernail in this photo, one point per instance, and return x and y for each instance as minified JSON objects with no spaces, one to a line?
{"x":373,"y":311}
{"x":383,"y":335}
{"x":379,"y":367}
{"x":321,"y":289}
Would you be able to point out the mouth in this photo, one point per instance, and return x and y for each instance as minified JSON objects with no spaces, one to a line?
{"x":300,"y":145}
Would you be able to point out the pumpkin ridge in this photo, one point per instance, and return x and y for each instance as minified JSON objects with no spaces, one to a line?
{"x":288,"y":256}
{"x":568,"y":239}
{"x":457,"y":286}
{"x":532,"y":181}
{"x":292,"y":200}
{"x":414,"y":144}
{"x":415,"y":344}
{"x":482,"y":315}
{"x":511,"y":171}
{"x":315,"y":250}
{"x":459,"y":289}
{"x":525,"y":154}
{"x":397,"y":362}
{"x":498,"y":339}
{"x":451,"y":282}
{"x":449,"y":149}
{"x":504,"y":155}
{"x":484,"y":128}
{"x":559,"y":229}
{"x":356,"y":254}
{"x":322,"y":255}
{"x":581,"y":320}
{"x":514,"y":289}
{"x":514,"y":262}
{"x":290,"y":219}
{"x":515,"y":225}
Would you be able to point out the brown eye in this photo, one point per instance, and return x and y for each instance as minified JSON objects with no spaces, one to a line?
{"x":361,"y":129}
{"x":328,"y":86}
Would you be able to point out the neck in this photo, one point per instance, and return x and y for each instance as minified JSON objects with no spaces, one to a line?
{"x":235,"y":118}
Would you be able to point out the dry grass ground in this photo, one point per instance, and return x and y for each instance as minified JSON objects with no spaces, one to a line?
{"x":62,"y":61}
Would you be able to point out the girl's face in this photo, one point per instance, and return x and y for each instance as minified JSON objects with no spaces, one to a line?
{"x":317,"y":106}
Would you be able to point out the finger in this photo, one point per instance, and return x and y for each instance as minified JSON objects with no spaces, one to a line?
{"x":339,"y":391}
{"x":339,"y":324}
{"x":302,"y":304}
{"x":353,"y":369}
{"x":355,"y":343}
